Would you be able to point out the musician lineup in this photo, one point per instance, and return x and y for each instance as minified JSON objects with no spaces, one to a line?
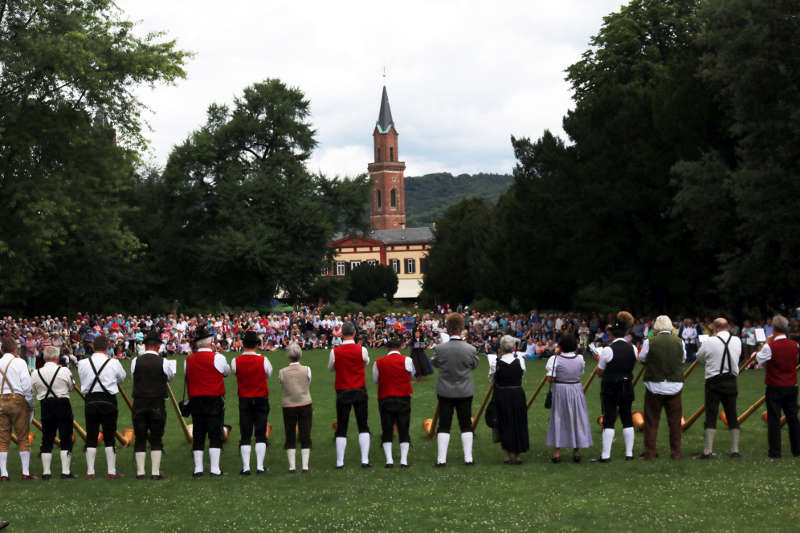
{"x":101,"y":382}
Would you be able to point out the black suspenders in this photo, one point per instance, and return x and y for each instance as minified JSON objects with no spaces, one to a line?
{"x":726,"y":356}
{"x":97,"y":376}
{"x":50,"y":386}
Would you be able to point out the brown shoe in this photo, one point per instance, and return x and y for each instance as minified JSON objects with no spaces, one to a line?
{"x":115,"y":476}
{"x":28,"y":478}
{"x":4,"y":479}
{"x":89,"y":476}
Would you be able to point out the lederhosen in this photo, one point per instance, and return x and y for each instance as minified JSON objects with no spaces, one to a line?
{"x":56,"y":417}
{"x":722,"y":388}
{"x":101,"y":410}
{"x":616,"y":388}
{"x":149,"y":414}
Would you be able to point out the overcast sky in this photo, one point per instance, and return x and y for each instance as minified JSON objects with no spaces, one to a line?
{"x":462,"y":76}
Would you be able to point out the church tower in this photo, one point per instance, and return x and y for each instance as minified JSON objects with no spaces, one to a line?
{"x":388,"y":198}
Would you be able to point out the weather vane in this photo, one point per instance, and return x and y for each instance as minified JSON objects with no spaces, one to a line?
{"x":384,"y":75}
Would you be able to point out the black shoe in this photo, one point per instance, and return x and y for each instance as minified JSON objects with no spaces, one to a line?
{"x":140,"y":476}
{"x":704,"y":456}
{"x":197,"y":474}
{"x":259,"y":472}
{"x":773,"y":456}
{"x":212,"y":474}
{"x":555,"y":460}
{"x":507,"y":461}
{"x":601,"y":460}
{"x":469,"y":463}
{"x":339,"y":467}
{"x":403,"y":466}
{"x":3,"y":524}
{"x":244,"y":473}
{"x":366,"y":465}
{"x":69,"y":476}
{"x":389,"y":465}
{"x":158,"y":477}
{"x":576,"y":458}
{"x":306,"y":471}
{"x":45,"y":477}
{"x":629,"y":458}
{"x":440,"y":465}
{"x":292,"y":470}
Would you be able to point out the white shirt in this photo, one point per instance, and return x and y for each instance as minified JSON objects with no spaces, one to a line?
{"x":332,"y":358}
{"x":666,"y":388}
{"x":761,"y":357}
{"x":267,"y":364}
{"x":112,"y":375}
{"x":62,"y":386}
{"x":220,"y":363}
{"x":551,"y":363}
{"x":507,"y":358}
{"x":168,"y":371}
{"x":711,"y":351}
{"x":689,"y":334}
{"x":607,"y":355}
{"x":409,"y":367}
{"x":18,"y":377}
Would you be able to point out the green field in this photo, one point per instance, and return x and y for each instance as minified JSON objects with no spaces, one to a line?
{"x":722,"y":494}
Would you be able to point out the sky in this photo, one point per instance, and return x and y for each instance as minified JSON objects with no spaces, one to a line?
{"x":462,"y":77}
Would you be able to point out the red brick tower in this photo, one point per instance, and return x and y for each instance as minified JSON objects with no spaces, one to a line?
{"x":388,"y":197}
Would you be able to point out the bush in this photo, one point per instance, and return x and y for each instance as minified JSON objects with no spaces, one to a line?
{"x":486,"y":305}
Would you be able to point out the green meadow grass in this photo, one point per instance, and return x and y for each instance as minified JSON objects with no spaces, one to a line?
{"x":718,"y":495}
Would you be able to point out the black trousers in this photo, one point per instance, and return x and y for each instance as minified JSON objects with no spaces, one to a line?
{"x":782,"y":399}
{"x":149,"y":414}
{"x":56,"y":417}
{"x":253,"y":414}
{"x":463,"y":408}
{"x":345,"y":399}
{"x":300,"y":418}
{"x":613,"y":396}
{"x":721,"y":389}
{"x":395,"y":410}
{"x":208,"y":413}
{"x":101,"y":410}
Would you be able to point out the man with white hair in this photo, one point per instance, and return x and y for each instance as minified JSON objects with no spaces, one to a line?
{"x":204,"y":371}
{"x":662,"y":355}
{"x":720,"y":354}
{"x":16,"y":407}
{"x":779,"y":356}
{"x":52,"y":385}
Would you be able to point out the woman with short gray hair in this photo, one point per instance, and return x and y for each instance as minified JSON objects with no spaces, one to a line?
{"x":506,"y":371}
{"x":295,"y":382}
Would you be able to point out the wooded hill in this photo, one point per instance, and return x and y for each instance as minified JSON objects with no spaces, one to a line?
{"x":428,"y":196}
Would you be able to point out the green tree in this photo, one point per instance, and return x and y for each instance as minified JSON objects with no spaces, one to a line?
{"x":69,"y":69}
{"x":372,"y":281}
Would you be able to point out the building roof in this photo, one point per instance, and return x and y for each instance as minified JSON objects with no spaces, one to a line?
{"x":423,"y":234}
{"x":385,"y":115}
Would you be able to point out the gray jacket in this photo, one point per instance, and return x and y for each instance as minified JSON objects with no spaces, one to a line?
{"x":455,"y":360}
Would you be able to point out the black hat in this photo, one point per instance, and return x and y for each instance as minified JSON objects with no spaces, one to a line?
{"x":152,"y":337}
{"x":251,"y":339}
{"x":202,"y":333}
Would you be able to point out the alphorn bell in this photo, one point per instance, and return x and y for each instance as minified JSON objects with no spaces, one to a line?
{"x":536,"y":392}
{"x":482,"y":407}
{"x":429,"y":425}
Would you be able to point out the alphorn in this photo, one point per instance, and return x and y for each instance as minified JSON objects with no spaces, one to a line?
{"x":184,"y":427}
{"x":125,"y":397}
{"x":692,"y":419}
{"x":689,"y":370}
{"x":432,"y":429}
{"x":591,"y":377}
{"x":742,"y":417}
{"x":482,"y":407}
{"x":536,"y":392}
{"x":638,"y":375}
{"x":120,"y":437}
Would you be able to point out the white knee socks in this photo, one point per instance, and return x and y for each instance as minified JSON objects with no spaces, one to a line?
{"x":708,"y":441}
{"x":628,"y":435}
{"x":140,"y":458}
{"x":387,"y":451}
{"x":466,"y":443}
{"x":442,"y":442}
{"x":4,"y":464}
{"x":404,"y":446}
{"x":25,"y":459}
{"x":90,"y":455}
{"x":47,"y":458}
{"x":66,"y":459}
{"x":305,"y":453}
{"x":735,"y":440}
{"x":213,"y":456}
{"x":291,"y":454}
{"x":363,"y":443}
{"x":245,"y":453}
{"x":198,"y":461}
{"x":111,"y":460}
{"x":608,"y":438}
{"x":261,"y":451}
{"x":155,"y":460}
{"x":341,"y":445}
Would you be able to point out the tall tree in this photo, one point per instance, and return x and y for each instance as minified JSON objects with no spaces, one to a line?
{"x":69,"y":69}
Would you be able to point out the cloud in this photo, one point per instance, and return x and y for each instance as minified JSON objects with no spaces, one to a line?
{"x":462,"y":76}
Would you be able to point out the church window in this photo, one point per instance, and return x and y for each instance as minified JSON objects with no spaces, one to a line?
{"x":378,"y":155}
{"x":391,"y":153}
{"x":393,"y":198}
{"x":379,"y":199}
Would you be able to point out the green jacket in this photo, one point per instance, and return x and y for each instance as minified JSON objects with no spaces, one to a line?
{"x":664,"y":359}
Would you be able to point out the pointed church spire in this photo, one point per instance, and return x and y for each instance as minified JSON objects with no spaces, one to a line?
{"x":385,"y":115}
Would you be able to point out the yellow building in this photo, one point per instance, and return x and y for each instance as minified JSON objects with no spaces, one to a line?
{"x":390,"y":242}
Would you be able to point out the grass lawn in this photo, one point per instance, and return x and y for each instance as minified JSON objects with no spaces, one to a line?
{"x":722,"y":494}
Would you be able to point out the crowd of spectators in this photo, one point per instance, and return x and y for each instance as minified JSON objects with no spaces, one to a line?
{"x":537,"y":333}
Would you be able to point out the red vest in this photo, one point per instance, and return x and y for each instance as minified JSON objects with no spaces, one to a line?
{"x":781,"y":369}
{"x":349,"y":366}
{"x":251,"y":376}
{"x":202,"y":377}
{"x":393,"y":378}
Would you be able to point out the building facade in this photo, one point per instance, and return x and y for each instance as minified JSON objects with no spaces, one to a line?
{"x":390,"y":242}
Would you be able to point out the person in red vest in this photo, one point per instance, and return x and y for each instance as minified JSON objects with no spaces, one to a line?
{"x":348,"y":361}
{"x":779,"y":356}
{"x":252,"y":371}
{"x":393,"y":374}
{"x":204,"y":371}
